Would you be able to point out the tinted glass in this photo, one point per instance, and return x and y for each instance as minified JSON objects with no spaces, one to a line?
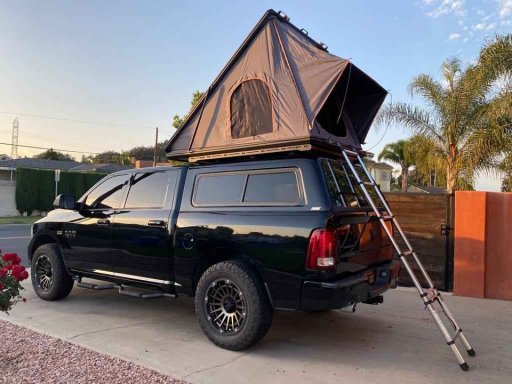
{"x":219,"y":189}
{"x":108,"y":194}
{"x":272,"y":188}
{"x":351,"y":195}
{"x":251,"y":110}
{"x":149,"y":190}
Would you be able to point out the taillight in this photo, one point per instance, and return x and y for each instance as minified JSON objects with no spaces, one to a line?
{"x":322,"y":250}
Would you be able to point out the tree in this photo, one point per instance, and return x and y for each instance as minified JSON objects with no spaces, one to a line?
{"x":428,"y":170}
{"x":466,"y":123}
{"x":112,"y":157}
{"x":397,"y":153}
{"x":177,"y":120}
{"x":506,"y":168}
{"x":50,"y":154}
{"x":147,"y":152}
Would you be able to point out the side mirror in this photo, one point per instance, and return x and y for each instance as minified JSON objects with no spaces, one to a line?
{"x":65,"y":201}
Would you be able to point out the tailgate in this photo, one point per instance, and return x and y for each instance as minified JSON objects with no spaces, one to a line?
{"x":362,"y":241}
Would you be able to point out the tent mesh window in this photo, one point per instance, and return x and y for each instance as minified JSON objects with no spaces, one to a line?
{"x":251,"y":109}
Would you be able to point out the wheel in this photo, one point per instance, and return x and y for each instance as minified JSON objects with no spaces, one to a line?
{"x":50,"y":279}
{"x":232,"y":306}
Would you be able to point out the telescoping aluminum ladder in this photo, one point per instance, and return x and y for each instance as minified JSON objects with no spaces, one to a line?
{"x":429,"y":296}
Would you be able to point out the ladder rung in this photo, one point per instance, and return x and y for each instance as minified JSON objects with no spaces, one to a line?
{"x":386,"y":218}
{"x":351,"y":152}
{"x":369,"y":183}
{"x":407,"y":253}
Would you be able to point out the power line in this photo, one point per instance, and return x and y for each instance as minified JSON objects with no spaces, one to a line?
{"x":105,"y":156}
{"x":73,"y":120}
{"x":53,"y":149}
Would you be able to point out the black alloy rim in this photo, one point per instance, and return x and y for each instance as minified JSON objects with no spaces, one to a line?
{"x":226,"y":307}
{"x":44,"y":272}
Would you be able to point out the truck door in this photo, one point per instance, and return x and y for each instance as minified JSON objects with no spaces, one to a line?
{"x":142,"y":246}
{"x":88,"y":236}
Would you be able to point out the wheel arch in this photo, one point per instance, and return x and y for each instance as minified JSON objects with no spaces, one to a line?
{"x":216,"y":256}
{"x":41,"y":239}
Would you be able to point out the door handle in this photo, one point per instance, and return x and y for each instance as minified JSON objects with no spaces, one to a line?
{"x":103,"y":222}
{"x":157,"y":223}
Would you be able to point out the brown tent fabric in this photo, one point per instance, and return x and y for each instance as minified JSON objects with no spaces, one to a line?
{"x":281,"y":89}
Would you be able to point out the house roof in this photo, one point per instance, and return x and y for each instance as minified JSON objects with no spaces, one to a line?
{"x":374,"y":164}
{"x":37,"y":164}
{"x":100,"y":168}
{"x":73,"y":166}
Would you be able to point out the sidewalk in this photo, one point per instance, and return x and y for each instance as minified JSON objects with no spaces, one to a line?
{"x":393,"y":342}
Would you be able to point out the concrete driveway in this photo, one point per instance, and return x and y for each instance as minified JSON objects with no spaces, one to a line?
{"x":395,"y":342}
{"x":15,"y":238}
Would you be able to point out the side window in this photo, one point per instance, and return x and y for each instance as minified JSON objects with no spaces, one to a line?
{"x":218,"y":189}
{"x":247,"y":188}
{"x":279,"y":187}
{"x":108,"y":194}
{"x":251,"y":109}
{"x":149,"y":190}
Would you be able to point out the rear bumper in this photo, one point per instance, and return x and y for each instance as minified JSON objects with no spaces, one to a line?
{"x":361,"y":287}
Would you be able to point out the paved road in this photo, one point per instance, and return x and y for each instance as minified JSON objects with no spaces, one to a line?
{"x":396,"y":342}
{"x":15,"y":238}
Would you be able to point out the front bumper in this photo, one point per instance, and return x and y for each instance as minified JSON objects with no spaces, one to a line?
{"x":359,"y":287}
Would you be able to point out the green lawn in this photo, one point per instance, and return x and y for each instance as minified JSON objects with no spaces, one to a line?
{"x":19,"y":219}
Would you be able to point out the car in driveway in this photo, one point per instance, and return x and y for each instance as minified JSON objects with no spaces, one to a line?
{"x":243,"y":237}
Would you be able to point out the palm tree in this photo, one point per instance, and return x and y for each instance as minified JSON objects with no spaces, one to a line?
{"x":397,"y":153}
{"x":466,"y":121}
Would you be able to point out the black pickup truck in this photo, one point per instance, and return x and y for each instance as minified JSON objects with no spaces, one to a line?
{"x":244,"y":238}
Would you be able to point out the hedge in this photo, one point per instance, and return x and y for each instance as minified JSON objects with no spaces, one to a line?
{"x":35,"y":188}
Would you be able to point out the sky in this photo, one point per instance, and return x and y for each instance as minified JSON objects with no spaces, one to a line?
{"x":112,"y":71}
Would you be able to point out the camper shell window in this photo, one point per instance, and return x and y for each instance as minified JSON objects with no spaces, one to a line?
{"x":250,"y":109}
{"x":270,"y":187}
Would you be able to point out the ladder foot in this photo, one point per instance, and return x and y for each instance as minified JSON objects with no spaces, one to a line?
{"x":464,"y":366}
{"x":471,"y":352}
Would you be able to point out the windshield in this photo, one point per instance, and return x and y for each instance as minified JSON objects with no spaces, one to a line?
{"x":343,"y":188}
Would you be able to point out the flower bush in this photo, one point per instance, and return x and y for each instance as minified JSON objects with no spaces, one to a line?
{"x":12,"y":273}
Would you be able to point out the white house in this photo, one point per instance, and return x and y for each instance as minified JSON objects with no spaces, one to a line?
{"x":381,"y":172}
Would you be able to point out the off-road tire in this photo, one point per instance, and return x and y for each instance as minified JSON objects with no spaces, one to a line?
{"x":259,"y":311}
{"x":62,"y":283}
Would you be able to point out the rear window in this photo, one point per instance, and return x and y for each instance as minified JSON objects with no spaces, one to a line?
{"x":272,"y":187}
{"x":343,"y":187}
{"x":275,"y":187}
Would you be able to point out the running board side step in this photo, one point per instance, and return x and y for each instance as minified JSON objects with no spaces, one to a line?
{"x":431,"y":296}
{"x":122,"y":289}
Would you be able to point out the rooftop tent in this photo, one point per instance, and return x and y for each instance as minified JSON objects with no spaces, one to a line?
{"x":281,"y":91}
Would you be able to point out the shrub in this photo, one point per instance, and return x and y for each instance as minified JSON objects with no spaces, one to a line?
{"x":12,"y":273}
{"x":35,"y":188}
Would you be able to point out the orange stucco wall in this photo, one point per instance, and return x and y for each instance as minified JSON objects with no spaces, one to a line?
{"x":483,"y":244}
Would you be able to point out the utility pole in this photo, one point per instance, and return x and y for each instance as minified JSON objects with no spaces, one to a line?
{"x":156,"y":146}
{"x":14,"y":142}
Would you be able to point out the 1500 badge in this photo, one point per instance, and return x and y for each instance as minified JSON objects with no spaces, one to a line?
{"x":68,"y":234}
